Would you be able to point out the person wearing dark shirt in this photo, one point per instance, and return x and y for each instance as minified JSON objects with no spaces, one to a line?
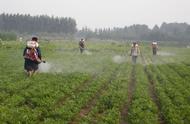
{"x":32,"y":56}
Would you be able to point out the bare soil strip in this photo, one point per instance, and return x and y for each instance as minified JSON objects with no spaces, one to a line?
{"x":80,"y":88}
{"x":131,"y":88}
{"x":92,"y":102}
{"x":152,"y":92}
{"x":153,"y":95}
{"x":61,"y":101}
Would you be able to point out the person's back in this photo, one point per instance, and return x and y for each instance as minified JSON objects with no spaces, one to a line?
{"x":32,"y":56}
{"x":154,"y":47}
{"x":134,"y":52}
{"x":32,"y":51}
{"x":81,"y":45}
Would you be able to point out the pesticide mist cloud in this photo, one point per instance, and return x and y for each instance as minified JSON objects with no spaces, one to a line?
{"x":105,"y":13}
{"x":119,"y":59}
{"x":44,"y":67}
{"x":50,"y":67}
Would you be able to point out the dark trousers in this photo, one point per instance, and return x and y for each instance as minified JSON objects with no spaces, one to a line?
{"x":81,"y":50}
{"x":154,"y":51}
{"x":134,"y":59}
{"x":30,"y":65}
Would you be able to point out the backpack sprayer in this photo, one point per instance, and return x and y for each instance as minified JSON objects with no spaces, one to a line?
{"x":34,"y":45}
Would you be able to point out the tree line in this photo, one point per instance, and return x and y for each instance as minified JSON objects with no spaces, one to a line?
{"x":166,"y":32}
{"x":27,"y":24}
{"x":20,"y":23}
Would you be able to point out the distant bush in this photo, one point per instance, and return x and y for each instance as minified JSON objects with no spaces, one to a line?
{"x":7,"y":36}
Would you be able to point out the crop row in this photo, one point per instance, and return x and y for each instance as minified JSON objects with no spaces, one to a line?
{"x":143,"y":109}
{"x":108,"y":107}
{"x":169,"y":91}
{"x":26,"y":105}
{"x":179,"y":84}
{"x":76,"y":101}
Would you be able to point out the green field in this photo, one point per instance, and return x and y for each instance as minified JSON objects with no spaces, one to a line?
{"x":100,"y":86}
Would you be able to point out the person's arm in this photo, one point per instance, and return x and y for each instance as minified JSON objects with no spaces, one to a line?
{"x":39,"y":52}
{"x":40,"y":55}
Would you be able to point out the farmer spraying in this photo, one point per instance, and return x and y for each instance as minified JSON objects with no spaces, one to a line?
{"x":32,"y":56}
{"x":135,"y":51}
{"x":154,"y":47}
{"x":82,"y":45}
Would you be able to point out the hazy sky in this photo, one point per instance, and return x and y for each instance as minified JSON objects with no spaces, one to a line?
{"x":105,"y":13}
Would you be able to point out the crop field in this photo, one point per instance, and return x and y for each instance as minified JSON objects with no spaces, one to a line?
{"x":101,"y":86}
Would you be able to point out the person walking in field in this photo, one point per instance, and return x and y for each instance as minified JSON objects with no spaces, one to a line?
{"x":135,"y":51}
{"x":32,"y":56}
{"x":82,"y":45}
{"x":154,"y":47}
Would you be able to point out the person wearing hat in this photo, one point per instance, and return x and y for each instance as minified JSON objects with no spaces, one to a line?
{"x":135,"y":51}
{"x":154,"y":47}
{"x":81,"y":45}
{"x":32,"y":56}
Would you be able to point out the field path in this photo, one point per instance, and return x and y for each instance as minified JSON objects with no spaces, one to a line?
{"x":131,"y":88}
{"x":92,"y":102}
{"x":152,"y":91}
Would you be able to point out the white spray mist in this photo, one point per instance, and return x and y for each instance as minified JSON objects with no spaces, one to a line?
{"x":161,"y":53}
{"x":45,"y":67}
{"x":87,"y":52}
{"x":119,"y":59}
